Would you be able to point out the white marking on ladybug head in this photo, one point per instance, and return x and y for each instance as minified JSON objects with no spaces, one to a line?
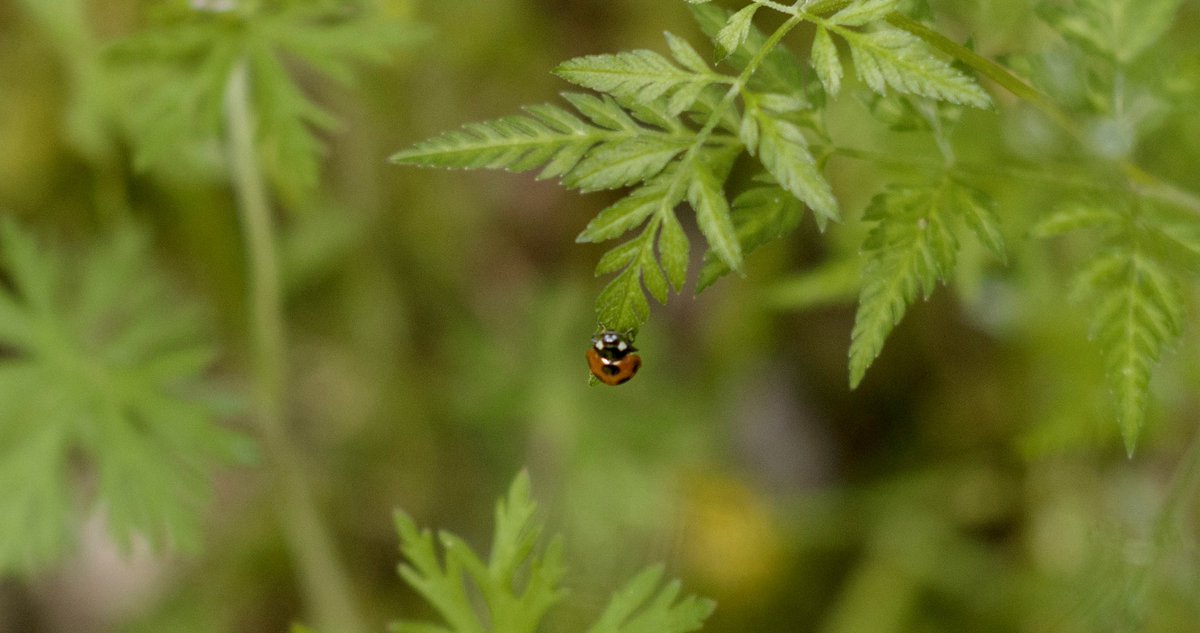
{"x":621,"y":346}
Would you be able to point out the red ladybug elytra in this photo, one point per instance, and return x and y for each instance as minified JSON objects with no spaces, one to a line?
{"x":611,"y":358}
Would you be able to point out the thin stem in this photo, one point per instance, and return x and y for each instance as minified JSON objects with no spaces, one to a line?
{"x":1056,"y":176}
{"x":734,"y":90}
{"x":325,"y":584}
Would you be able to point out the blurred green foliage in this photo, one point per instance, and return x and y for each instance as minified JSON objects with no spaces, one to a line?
{"x":975,"y":480}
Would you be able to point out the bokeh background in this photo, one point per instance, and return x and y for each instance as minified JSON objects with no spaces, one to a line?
{"x":437,"y":322}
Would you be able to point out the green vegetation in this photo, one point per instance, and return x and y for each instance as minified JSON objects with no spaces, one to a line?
{"x":951,"y":386}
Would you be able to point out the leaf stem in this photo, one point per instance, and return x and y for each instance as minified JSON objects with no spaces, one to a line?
{"x":1056,"y":176}
{"x":325,"y":583}
{"x":718,"y":111}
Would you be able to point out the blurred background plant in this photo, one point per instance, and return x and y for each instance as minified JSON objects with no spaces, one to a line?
{"x":436,"y":322}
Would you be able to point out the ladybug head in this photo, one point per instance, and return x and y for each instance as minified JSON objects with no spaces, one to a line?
{"x":613,"y":343}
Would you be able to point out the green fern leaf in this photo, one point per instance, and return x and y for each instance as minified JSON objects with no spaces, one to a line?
{"x":736,"y":30}
{"x":521,"y":581}
{"x":979,"y":213}
{"x":1119,"y":29}
{"x":631,"y":211}
{"x":760,"y":214}
{"x":687,"y":56}
{"x":107,"y":363}
{"x":1139,"y":314}
{"x":644,"y":605}
{"x":516,"y":143}
{"x":612,"y":151}
{"x":825,"y":61}
{"x":783,"y":150}
{"x":748,"y":132}
{"x":602,"y":111}
{"x":622,"y":305}
{"x":1133,"y":284}
{"x":706,"y":194}
{"x":910,"y":249}
{"x":639,"y":76}
{"x":864,"y":12}
{"x":673,"y":249}
{"x":888,"y":57}
{"x":510,"y":606}
{"x":623,"y":163}
{"x":778,"y":71}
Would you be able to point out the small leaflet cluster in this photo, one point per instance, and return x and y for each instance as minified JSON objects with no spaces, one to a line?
{"x":672,"y":127}
{"x":100,"y":360}
{"x":521,"y":580}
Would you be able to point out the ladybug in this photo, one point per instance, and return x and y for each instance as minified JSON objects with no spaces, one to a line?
{"x":612,"y":359}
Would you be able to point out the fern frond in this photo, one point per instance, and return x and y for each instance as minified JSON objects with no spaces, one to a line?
{"x":910,"y":249}
{"x":1139,"y":313}
{"x":521,"y":580}
{"x":516,"y":143}
{"x":760,"y":214}
{"x":623,"y":163}
{"x":685,"y":54}
{"x":1133,"y":283}
{"x":706,"y":194}
{"x":656,"y":196}
{"x":640,"y":76}
{"x":673,"y":248}
{"x":783,"y":150}
{"x":825,"y":61}
{"x":645,"y":604}
{"x":864,"y":12}
{"x":978,"y":211}
{"x":778,"y":71}
{"x":622,"y":304}
{"x":611,"y":151}
{"x":888,"y":57}
{"x":736,"y":30}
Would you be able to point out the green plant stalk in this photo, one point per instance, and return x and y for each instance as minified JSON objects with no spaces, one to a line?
{"x":730,"y":95}
{"x":325,"y":583}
